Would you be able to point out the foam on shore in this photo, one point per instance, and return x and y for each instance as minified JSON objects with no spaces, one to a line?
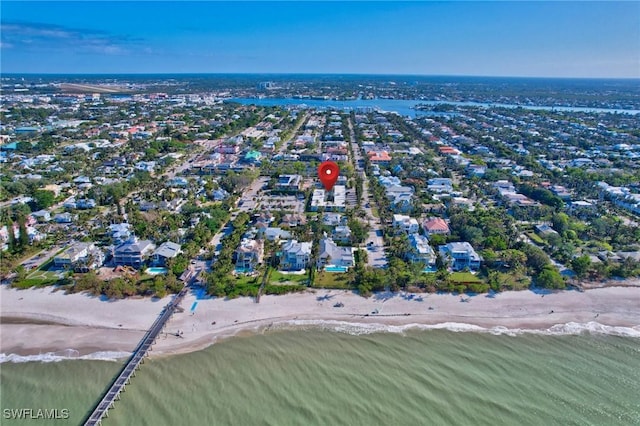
{"x":68,"y":354}
{"x":356,"y":328}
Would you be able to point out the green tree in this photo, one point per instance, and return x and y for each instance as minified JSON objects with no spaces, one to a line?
{"x":21,"y":273}
{"x":358,"y":231}
{"x":12,"y":237}
{"x":560,"y":222}
{"x":549,"y":277}
{"x":43,"y":199}
{"x":23,"y":238}
{"x":536,"y":258}
{"x":581,"y":265}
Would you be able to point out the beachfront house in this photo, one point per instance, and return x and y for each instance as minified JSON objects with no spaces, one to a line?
{"x":330,"y":254}
{"x":295,"y":255}
{"x":79,"y":257}
{"x":460,"y":255}
{"x":167,"y":250}
{"x":420,"y":250}
{"x":132,"y":252}
{"x":249,"y":255}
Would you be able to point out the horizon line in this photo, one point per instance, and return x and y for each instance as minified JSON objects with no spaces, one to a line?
{"x":4,"y":74}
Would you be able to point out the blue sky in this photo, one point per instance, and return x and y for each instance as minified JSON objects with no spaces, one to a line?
{"x":545,"y":39}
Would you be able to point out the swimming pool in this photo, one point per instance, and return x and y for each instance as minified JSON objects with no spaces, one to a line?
{"x":333,"y":268}
{"x":156,"y":270}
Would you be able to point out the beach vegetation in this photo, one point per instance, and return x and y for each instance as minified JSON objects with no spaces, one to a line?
{"x":549,"y":277}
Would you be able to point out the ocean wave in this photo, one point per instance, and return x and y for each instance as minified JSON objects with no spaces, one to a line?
{"x":357,"y":329}
{"x":68,"y":354}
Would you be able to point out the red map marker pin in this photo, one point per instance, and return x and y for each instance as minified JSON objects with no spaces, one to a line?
{"x":328,"y":172}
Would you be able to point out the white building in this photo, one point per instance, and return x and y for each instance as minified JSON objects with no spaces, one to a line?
{"x":421,"y":251}
{"x":330,"y":254}
{"x":295,"y":255}
{"x":322,"y":199}
{"x":405,"y":224}
{"x":460,"y":255}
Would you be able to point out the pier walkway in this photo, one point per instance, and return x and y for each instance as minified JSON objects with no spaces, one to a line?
{"x":118,"y":386}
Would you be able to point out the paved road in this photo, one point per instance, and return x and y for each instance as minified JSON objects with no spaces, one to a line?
{"x":294,"y":133}
{"x":374,"y":242}
{"x":41,"y":257}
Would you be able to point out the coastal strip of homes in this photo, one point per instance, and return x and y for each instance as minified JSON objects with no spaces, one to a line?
{"x":131,"y":181}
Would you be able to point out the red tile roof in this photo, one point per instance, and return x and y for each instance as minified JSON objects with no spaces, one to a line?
{"x":379,"y":156}
{"x":435,"y":224}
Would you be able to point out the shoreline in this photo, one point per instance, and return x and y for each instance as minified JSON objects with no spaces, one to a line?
{"x":42,"y":323}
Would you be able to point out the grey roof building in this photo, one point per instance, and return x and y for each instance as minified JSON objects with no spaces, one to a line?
{"x":166,"y":251}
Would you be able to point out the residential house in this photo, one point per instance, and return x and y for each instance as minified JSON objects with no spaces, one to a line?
{"x":421,"y":251}
{"x":132,"y":252}
{"x":379,"y":157}
{"x":440,"y":185}
{"x":460,"y":255}
{"x":86,"y":203}
{"x":462,"y":203}
{"x":405,"y":224}
{"x":330,"y":254}
{"x":293,"y":220}
{"x":63,"y":218}
{"x":476,"y":170}
{"x":120,"y":232}
{"x":295,"y":255}
{"x":219,"y":194}
{"x":401,"y":198}
{"x":167,"y":250}
{"x":42,"y":216}
{"x":178,"y":182}
{"x":435,"y":225}
{"x":333,"y":219}
{"x":80,"y":257}
{"x":249,"y":255}
{"x":582,"y":209}
{"x":341,"y":233}
{"x":275,"y":234}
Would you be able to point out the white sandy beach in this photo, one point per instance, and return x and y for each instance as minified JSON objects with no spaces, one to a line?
{"x":38,"y":321}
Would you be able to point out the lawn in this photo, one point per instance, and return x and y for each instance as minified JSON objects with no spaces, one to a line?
{"x":536,"y":238}
{"x":464,"y":278}
{"x":279,"y":278}
{"x":39,"y":278}
{"x":247,"y":280}
{"x":326,"y":279}
{"x":44,"y":275}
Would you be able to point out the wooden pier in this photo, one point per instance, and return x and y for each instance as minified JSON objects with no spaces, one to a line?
{"x":129,"y":369}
